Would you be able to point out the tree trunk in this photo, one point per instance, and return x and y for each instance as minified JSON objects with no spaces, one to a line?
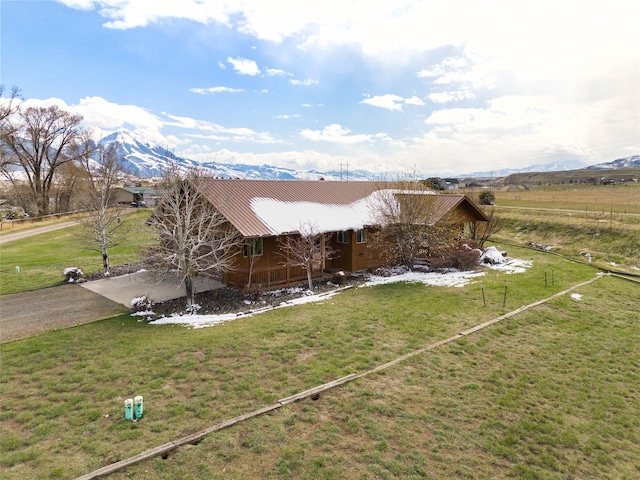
{"x":105,"y":261}
{"x":191,"y":294}
{"x":309,"y":278}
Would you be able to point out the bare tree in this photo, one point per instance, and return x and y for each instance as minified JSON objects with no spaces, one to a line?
{"x":40,"y":140}
{"x":103,"y":227}
{"x":484,"y":230}
{"x":309,"y":249}
{"x":195,"y":238}
{"x":404,"y":210}
{"x":8,"y":106}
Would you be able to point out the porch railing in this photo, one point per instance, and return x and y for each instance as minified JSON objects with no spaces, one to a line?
{"x":271,"y":277}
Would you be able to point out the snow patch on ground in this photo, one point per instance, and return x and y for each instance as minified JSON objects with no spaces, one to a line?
{"x":202,"y":321}
{"x":512,"y":266}
{"x":434,"y":279}
{"x":452,"y":278}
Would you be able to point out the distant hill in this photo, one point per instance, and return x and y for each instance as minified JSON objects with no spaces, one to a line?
{"x":145,"y":160}
{"x":627,"y":162}
{"x":540,"y":167}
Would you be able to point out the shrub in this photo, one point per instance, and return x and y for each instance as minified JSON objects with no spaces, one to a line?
{"x":338,"y":278}
{"x":487,"y":197}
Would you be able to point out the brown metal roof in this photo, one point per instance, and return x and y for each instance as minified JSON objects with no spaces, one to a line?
{"x":448,"y":202}
{"x":234,"y":198}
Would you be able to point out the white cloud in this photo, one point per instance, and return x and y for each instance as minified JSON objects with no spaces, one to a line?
{"x":244,"y":66}
{"x":414,"y":101}
{"x":391,"y":101}
{"x":451,"y":96}
{"x":101,"y":115}
{"x":334,"y":133}
{"x":388,"y":101}
{"x":306,"y":82}
{"x":276,"y":72}
{"x":204,"y":91}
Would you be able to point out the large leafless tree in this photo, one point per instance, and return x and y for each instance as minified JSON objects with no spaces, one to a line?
{"x":195,"y":238}
{"x":412,"y":228}
{"x":8,"y":106}
{"x":40,"y":140}
{"x":103,"y":226}
{"x":403,"y":209}
{"x":309,"y":250}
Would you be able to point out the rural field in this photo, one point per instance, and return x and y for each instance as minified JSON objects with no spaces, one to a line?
{"x":551,"y":392}
{"x":575,"y":220}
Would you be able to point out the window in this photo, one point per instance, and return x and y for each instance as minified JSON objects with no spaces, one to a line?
{"x":252,"y":246}
{"x":361,"y":236}
{"x":343,"y":237}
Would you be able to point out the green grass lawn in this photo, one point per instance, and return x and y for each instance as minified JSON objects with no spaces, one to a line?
{"x":612,"y":240}
{"x":551,"y":393}
{"x":42,"y":258}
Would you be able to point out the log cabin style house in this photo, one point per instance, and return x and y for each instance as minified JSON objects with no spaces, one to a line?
{"x":264,"y":211}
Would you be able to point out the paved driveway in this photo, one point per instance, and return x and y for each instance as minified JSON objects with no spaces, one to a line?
{"x":26,"y":314}
{"x":142,"y":284}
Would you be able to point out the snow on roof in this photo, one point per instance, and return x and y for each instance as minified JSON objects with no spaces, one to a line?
{"x":284,"y":217}
{"x":288,"y":216}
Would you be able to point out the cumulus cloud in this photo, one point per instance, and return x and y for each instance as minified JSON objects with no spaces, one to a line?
{"x":306,"y":82}
{"x":451,"y":96}
{"x":334,"y":133}
{"x":244,"y":66}
{"x":101,"y":115}
{"x":391,"y":101}
{"x":544,"y":76}
{"x":204,"y":91}
{"x":276,"y":72}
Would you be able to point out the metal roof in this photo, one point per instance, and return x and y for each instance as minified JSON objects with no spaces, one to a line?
{"x":234,"y":197}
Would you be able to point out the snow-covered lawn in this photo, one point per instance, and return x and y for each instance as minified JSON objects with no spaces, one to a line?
{"x":453,"y":278}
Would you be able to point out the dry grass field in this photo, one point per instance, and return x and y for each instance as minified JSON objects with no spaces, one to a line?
{"x":584,"y":198}
{"x":575,"y":220}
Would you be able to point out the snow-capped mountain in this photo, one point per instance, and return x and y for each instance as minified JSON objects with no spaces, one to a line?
{"x":141,"y":157}
{"x":540,"y":167}
{"x":627,"y":162}
{"x":144,"y":159}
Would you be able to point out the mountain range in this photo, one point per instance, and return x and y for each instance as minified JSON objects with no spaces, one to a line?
{"x":145,"y":159}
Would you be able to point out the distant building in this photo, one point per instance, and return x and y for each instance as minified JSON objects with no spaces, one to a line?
{"x":136,"y":196}
{"x":449,"y":184}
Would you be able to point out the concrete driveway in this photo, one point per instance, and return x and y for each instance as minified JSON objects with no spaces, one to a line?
{"x":125,"y":288}
{"x":26,"y":314}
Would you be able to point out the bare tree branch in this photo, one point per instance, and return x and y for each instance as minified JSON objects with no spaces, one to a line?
{"x":40,"y":140}
{"x":195,"y":238}
{"x":309,"y":250}
{"x":103,"y":227}
{"x":404,"y":209}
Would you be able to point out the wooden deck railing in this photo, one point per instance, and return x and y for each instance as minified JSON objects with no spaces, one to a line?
{"x":265,"y":278}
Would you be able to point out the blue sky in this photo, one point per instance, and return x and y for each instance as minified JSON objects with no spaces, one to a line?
{"x":418,"y":85}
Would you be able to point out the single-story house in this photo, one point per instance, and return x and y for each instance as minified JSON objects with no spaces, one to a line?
{"x":449,"y":183}
{"x":136,"y":196}
{"x":264,"y":211}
